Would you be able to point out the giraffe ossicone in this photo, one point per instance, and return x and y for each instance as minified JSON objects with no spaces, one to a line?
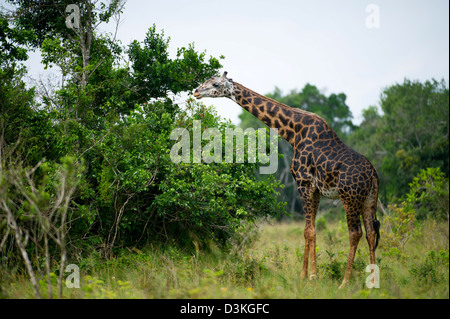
{"x":322,"y":165}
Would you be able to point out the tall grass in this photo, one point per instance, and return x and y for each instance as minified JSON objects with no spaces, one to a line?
{"x":268,"y":268}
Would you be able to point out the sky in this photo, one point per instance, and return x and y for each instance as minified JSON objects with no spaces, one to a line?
{"x":355,"y":47}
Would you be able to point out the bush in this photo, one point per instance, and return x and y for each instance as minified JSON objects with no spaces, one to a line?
{"x":141,"y":195}
{"x":34,"y":216}
{"x":321,"y":223}
{"x":429,"y":194}
{"x":209,"y":202}
{"x":398,"y":226}
{"x":427,"y":198}
{"x":333,"y":269}
{"x":428,"y":270}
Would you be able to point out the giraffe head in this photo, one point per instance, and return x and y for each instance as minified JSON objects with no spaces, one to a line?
{"x":218,"y":86}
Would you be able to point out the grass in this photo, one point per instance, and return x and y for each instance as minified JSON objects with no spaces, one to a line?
{"x":269,"y":268}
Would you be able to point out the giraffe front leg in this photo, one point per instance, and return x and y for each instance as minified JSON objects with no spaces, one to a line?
{"x":304,"y":272}
{"x":310,"y":238}
{"x":310,"y":200}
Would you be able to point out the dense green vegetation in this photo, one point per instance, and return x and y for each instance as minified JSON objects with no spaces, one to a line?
{"x":86,"y":176}
{"x":86,"y":165}
{"x":410,"y":134}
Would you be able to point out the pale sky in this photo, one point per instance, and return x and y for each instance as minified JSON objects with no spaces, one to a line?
{"x":283,"y":43}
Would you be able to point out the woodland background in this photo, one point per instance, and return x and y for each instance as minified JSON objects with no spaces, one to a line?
{"x":86,"y":177}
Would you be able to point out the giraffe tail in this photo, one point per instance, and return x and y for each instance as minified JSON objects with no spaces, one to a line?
{"x":376,"y":222}
{"x":376,"y":227}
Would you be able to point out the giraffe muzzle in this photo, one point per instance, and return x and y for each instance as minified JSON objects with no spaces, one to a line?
{"x":197,"y":94}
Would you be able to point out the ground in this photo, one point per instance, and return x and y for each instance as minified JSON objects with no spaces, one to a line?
{"x":267,"y":268}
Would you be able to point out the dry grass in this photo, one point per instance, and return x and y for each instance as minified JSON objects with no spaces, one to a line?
{"x":269,"y":268}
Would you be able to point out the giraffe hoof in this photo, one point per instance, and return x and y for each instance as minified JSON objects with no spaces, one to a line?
{"x":312,"y":277}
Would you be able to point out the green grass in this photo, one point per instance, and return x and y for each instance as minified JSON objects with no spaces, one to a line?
{"x":269,"y":268}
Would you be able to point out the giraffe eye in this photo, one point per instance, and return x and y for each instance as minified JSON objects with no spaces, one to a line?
{"x":216,"y":85}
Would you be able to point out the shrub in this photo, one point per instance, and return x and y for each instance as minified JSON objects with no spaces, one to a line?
{"x":429,"y":194}
{"x":321,"y":223}
{"x":427,"y":198}
{"x":398,"y":226}
{"x":428,"y":270}
{"x":333,"y":269}
{"x":140,"y":193}
{"x":210,"y":202}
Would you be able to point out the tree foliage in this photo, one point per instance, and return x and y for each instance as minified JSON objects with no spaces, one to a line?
{"x":411,"y":134}
{"x":156,"y":74}
{"x":12,"y":41}
{"x":113,"y":111}
{"x":429,"y":194}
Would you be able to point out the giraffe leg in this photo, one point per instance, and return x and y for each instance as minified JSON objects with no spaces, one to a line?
{"x":371,"y":225}
{"x":311,"y":234}
{"x":355,"y":234}
{"x":304,"y":272}
{"x":310,"y":247}
{"x":310,"y":200}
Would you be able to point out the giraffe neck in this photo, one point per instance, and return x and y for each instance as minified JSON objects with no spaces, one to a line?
{"x":287,"y":120}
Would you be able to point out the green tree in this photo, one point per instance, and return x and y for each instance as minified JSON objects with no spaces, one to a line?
{"x":20,"y":119}
{"x":116,"y":116}
{"x":411,"y":133}
{"x":12,"y":42}
{"x":48,"y":20}
{"x":155,"y":74}
{"x":113,"y":112}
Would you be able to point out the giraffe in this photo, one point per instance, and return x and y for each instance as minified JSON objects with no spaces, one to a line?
{"x":322,"y":165}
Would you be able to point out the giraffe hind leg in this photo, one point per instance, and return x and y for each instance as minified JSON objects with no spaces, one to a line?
{"x":371,"y":225}
{"x":304,"y":272}
{"x":353,"y":212}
